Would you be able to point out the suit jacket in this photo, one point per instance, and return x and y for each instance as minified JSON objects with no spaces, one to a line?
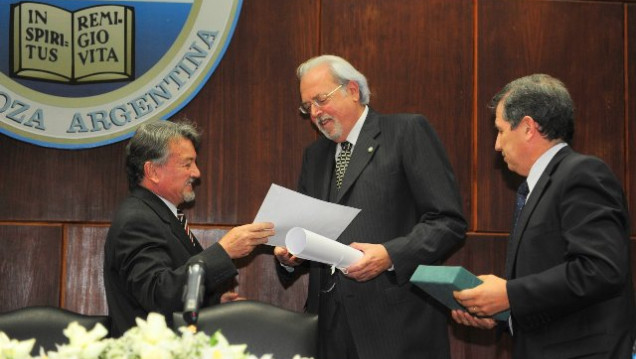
{"x":146,"y":257}
{"x":400,"y":178}
{"x":570,"y":285}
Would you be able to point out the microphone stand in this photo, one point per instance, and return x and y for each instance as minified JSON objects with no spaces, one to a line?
{"x":193,"y":294}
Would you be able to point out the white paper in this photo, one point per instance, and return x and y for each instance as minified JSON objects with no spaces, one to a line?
{"x":309,"y":245}
{"x":287,"y":209}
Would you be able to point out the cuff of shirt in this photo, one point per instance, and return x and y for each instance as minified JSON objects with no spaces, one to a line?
{"x":287,"y":268}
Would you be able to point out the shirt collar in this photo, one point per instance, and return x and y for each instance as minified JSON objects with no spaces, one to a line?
{"x":170,"y":205}
{"x":355,"y":131}
{"x":541,"y":163}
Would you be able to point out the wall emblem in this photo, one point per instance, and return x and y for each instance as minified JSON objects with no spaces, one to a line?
{"x":84,"y":73}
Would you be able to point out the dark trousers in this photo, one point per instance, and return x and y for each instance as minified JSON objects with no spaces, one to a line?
{"x":335,"y":340}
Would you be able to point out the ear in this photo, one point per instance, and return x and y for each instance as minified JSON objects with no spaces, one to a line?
{"x":353,"y":90}
{"x":150,"y":172}
{"x":529,"y":126}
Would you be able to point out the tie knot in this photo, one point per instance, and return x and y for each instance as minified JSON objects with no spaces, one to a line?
{"x":346,"y":146}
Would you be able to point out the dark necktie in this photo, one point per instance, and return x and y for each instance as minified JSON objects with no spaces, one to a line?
{"x":342,"y":161}
{"x":522,"y":194}
{"x":184,"y":223}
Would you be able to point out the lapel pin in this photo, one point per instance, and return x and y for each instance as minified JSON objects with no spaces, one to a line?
{"x":370,"y":149}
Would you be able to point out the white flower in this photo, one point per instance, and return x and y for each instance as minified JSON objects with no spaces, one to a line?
{"x":154,"y":329}
{"x":14,"y":349}
{"x":150,"y":339}
{"x":82,"y":343}
{"x":220,"y":348}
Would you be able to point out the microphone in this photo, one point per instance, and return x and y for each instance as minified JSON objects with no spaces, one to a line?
{"x":193,"y":292}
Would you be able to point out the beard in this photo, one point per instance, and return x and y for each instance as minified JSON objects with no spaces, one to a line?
{"x":337,"y":128}
{"x":189,"y":196}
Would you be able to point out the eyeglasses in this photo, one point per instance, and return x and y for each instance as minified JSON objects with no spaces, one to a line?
{"x":318,"y":101}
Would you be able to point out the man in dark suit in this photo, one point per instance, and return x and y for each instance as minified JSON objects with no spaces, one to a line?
{"x":147,"y":250}
{"x":568,"y":275}
{"x":399,"y":176}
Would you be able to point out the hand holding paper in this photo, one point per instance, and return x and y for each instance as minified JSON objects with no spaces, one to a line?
{"x":308,"y":245}
{"x":240,"y":241}
{"x":375,"y":261}
{"x":287,"y":209}
{"x":286,"y":258}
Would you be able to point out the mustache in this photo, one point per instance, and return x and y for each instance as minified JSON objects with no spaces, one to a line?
{"x":322,"y":119}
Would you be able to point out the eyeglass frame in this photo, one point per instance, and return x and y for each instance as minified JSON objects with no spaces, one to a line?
{"x":318,"y":101}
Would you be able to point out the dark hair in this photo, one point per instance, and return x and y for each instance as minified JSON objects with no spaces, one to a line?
{"x":542,"y":97}
{"x":150,"y":143}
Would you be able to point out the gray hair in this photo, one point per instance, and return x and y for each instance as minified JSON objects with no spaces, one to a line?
{"x":341,"y":70}
{"x":150,"y":143}
{"x":542,"y":97}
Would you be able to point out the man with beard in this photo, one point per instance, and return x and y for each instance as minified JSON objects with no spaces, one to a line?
{"x":148,"y":250}
{"x":396,"y":171}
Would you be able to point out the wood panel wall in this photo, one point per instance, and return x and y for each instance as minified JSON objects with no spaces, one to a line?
{"x":442,"y":58}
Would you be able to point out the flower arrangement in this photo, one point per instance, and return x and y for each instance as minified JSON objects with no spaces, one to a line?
{"x":150,"y":339}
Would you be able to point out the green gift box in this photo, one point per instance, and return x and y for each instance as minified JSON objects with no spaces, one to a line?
{"x":440,"y":282}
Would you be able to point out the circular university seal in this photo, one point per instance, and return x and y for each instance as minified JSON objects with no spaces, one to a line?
{"x":84,"y":73}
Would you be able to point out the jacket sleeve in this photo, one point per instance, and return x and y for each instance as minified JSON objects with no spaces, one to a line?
{"x":441,"y":226}
{"x":154,"y":264}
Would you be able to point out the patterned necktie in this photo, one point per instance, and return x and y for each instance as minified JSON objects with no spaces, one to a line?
{"x":184,"y":223}
{"x":342,"y":161}
{"x":522,"y":194}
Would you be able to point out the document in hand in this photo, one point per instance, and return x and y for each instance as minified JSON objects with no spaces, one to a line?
{"x":311,"y":246}
{"x":288,"y":209}
{"x":440,"y":282}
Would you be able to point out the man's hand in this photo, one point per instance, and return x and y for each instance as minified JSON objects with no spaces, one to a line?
{"x":230,"y":297}
{"x":241,"y":241}
{"x":486,"y":299}
{"x":286,"y":258}
{"x":465,"y":318}
{"x":374,"y":261}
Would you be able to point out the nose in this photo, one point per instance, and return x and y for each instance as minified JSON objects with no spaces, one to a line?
{"x":497,"y":144}
{"x":315,"y":110}
{"x":195,"y":171}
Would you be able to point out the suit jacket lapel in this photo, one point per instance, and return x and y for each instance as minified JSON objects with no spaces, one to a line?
{"x":164,"y":213}
{"x":177,"y":229}
{"x":363,"y":151}
{"x":324,"y":174}
{"x":526,"y":213}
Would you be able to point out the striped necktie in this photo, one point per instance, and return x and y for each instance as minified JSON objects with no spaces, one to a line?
{"x":184,"y":223}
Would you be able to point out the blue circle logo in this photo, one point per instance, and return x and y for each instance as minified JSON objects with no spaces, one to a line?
{"x":82,"y":73}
